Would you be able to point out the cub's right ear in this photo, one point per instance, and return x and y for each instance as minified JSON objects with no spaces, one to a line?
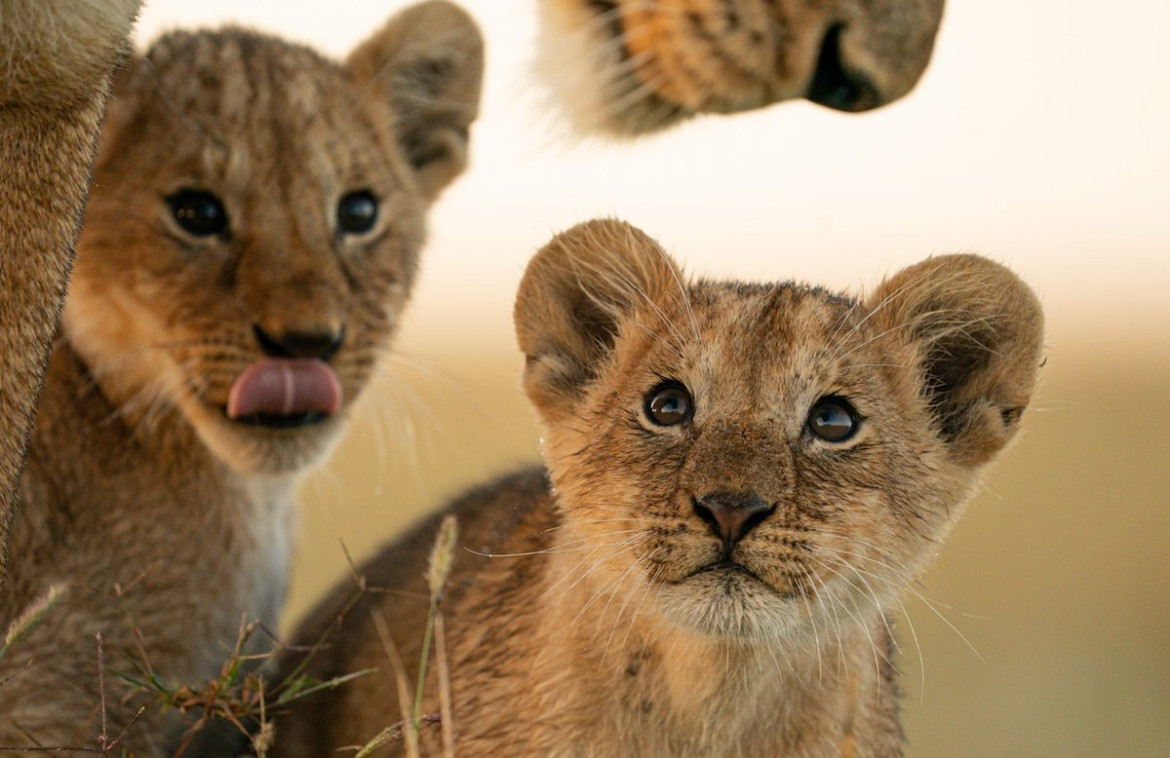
{"x":579,"y":292}
{"x":428,"y":61}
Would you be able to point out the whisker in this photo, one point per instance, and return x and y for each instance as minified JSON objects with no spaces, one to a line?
{"x":569,"y":547}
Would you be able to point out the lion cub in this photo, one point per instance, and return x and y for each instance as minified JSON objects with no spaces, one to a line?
{"x":740,"y":479}
{"x":252,"y":238}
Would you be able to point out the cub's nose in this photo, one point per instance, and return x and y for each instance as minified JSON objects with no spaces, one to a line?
{"x":294,"y":344}
{"x":731,"y":515}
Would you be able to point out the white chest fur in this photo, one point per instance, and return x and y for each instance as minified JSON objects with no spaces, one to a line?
{"x":269,"y":520}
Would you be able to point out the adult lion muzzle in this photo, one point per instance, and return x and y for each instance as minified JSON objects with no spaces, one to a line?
{"x":633,"y":66}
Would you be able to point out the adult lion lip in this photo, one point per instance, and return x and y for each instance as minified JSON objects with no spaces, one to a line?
{"x":284,"y":392}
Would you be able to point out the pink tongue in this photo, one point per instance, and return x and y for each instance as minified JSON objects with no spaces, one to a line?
{"x":285,"y":387}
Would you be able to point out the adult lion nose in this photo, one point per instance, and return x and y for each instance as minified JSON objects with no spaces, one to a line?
{"x":731,"y":515}
{"x":835,"y":84}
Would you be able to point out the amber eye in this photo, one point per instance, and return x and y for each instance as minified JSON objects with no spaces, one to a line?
{"x":833,"y":419}
{"x":357,"y":212}
{"x":669,"y":404}
{"x":199,"y":212}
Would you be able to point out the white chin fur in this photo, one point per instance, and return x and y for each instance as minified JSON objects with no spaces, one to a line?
{"x":259,"y":450}
{"x":743,"y":610}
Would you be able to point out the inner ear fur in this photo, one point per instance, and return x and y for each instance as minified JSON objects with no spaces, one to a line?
{"x":578,"y":293}
{"x":977,"y":332}
{"x":428,"y":61}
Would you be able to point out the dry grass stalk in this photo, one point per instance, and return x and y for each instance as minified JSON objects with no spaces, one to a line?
{"x":438,"y":570}
{"x":391,"y":734}
{"x":447,"y":720}
{"x":32,"y":616}
{"x":409,"y":729}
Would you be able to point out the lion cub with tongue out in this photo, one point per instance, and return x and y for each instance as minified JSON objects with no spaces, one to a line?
{"x":252,"y":238}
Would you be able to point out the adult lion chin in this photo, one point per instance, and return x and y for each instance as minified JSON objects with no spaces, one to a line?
{"x":628,"y":67}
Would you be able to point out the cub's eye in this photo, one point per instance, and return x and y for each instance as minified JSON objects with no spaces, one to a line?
{"x":357,"y":212}
{"x":199,"y":212}
{"x":833,"y":419}
{"x":669,"y":404}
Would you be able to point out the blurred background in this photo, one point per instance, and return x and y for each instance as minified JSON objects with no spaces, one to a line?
{"x":1039,"y":136}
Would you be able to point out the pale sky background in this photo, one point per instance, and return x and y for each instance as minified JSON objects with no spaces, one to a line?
{"x":1040,"y":136}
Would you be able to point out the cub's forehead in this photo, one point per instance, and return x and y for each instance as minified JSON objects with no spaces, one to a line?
{"x":241,"y":76}
{"x":232,"y":101}
{"x":784,"y":310}
{"x":760,"y":333}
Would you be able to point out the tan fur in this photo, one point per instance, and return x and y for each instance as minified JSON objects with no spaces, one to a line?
{"x":587,"y":615}
{"x":167,"y":522}
{"x":631,"y":66}
{"x":55,"y":61}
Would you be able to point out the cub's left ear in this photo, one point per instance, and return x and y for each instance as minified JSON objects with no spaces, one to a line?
{"x":976,"y":332}
{"x":581,"y":291}
{"x":428,"y":61}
